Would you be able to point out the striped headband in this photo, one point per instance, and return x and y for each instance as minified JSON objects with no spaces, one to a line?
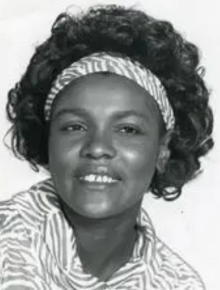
{"x":103,"y":62}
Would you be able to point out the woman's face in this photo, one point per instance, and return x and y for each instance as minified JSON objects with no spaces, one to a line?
{"x":104,"y":144}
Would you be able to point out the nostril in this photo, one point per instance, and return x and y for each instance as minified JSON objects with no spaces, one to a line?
{"x":95,"y":155}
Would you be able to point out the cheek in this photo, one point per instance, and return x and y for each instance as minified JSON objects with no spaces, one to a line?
{"x":141,"y":160}
{"x":62,"y":155}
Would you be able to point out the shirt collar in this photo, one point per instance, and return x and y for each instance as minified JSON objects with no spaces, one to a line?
{"x":55,"y":227}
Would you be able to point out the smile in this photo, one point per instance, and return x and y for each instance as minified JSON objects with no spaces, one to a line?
{"x":93,"y":178}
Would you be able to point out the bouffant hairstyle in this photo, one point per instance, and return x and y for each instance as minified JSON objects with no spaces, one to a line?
{"x":129,"y":32}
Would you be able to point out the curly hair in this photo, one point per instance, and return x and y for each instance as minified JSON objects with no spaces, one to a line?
{"x":130,"y":32}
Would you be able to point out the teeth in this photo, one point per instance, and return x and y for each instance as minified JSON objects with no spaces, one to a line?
{"x":98,"y":178}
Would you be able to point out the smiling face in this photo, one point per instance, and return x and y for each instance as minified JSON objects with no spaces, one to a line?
{"x":108,"y":125}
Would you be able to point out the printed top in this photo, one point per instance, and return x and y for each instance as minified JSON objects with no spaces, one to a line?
{"x":38,"y":251}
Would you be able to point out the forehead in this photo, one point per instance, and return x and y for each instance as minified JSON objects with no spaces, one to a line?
{"x":106,"y":92}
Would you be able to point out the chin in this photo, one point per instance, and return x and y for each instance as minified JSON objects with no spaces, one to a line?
{"x":95,"y":212}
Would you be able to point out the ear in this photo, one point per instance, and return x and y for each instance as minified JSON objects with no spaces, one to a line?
{"x":164,"y":152}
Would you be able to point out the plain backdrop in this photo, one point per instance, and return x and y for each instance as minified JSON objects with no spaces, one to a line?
{"x":189,"y":225}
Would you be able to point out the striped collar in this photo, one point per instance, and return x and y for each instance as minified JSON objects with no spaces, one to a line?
{"x":59,"y":237}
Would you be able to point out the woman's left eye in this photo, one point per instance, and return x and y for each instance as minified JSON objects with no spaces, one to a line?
{"x":130,"y":130}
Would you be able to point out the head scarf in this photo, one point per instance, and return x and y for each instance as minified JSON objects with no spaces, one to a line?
{"x":124,"y":66}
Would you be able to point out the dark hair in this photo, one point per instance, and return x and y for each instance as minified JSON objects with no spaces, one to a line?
{"x":130,"y":32}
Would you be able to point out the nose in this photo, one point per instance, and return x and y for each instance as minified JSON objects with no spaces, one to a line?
{"x":98,"y":145}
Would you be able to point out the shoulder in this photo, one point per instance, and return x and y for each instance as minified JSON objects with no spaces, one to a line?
{"x":7,"y":213}
{"x":178,"y":272}
{"x":29,"y":205}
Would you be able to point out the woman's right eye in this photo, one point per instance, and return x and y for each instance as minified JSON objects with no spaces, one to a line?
{"x":73,"y":127}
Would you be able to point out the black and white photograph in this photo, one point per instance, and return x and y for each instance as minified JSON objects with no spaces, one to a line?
{"x":109,"y":147}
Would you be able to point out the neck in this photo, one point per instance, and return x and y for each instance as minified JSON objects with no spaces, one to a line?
{"x":104,"y":244}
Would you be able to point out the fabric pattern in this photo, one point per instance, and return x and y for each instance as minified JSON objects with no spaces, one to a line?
{"x":38,"y":251}
{"x":102,"y":62}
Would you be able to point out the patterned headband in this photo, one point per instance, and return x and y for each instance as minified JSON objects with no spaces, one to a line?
{"x":103,"y":62}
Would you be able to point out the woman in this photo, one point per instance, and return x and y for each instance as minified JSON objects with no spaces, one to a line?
{"x":113,"y":105}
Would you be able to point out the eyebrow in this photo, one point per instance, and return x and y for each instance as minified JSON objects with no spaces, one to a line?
{"x":117,"y":115}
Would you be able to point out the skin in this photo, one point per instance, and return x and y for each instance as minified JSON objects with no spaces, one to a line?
{"x":89,"y":129}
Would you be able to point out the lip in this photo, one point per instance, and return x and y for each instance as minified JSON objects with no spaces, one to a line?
{"x":97,"y":185}
{"x":97,"y":170}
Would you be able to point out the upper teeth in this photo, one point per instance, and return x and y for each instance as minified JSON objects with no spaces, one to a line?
{"x":98,"y":178}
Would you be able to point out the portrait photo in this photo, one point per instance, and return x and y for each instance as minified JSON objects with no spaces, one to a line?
{"x":109,"y":152}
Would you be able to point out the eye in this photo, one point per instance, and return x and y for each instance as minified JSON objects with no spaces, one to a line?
{"x":73,"y":127}
{"x":127,"y":129}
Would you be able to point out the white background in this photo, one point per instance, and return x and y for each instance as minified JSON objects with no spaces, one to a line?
{"x":189,"y":225}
